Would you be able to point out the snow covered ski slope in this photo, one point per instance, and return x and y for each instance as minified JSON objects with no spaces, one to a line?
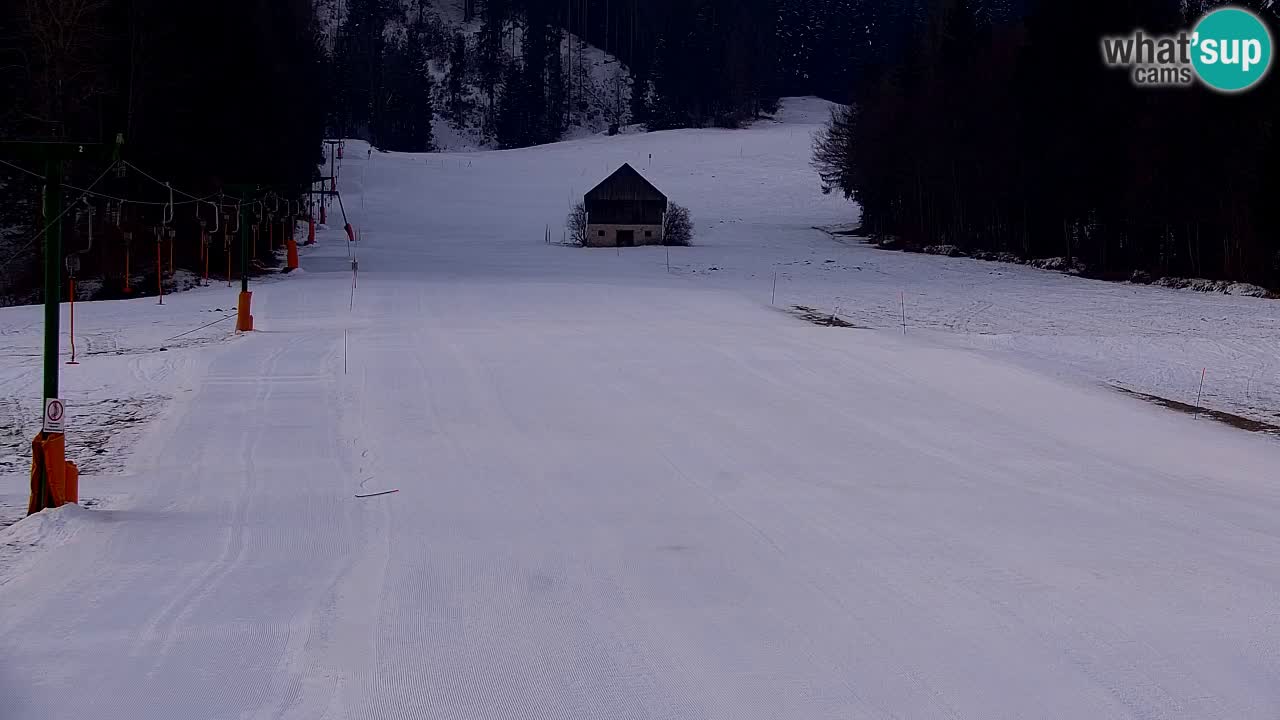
{"x":628,"y":493}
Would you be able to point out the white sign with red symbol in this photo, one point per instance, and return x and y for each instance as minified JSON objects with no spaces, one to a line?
{"x":55,"y":416}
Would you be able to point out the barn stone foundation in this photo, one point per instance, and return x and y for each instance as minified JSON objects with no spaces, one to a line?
{"x":608,"y":235}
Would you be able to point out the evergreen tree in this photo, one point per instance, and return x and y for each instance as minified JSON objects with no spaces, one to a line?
{"x":725,"y":52}
{"x":455,"y":81}
{"x":491,"y":63}
{"x":532,"y":107}
{"x":618,"y":99}
{"x":511,"y":127}
{"x":360,"y":52}
{"x":659,"y":109}
{"x":405,"y":123}
{"x":554,"y":80}
{"x":799,"y":23}
{"x":640,"y":84}
{"x":536,"y":48}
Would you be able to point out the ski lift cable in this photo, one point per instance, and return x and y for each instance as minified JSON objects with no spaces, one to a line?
{"x":157,"y":181}
{"x":106,"y":196}
{"x":70,"y":206}
{"x":151,"y":203}
{"x":192,"y":199}
{"x":21,"y":169}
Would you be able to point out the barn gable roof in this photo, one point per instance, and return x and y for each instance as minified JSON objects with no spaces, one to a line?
{"x":625,"y":180}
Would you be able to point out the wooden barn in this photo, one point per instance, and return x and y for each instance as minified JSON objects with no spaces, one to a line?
{"x":625,"y":210}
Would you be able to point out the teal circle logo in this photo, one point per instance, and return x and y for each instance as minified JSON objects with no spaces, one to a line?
{"x":1231,"y":49}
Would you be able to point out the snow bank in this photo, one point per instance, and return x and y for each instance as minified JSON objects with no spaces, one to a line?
{"x":21,"y":541}
{"x":1225,"y":287}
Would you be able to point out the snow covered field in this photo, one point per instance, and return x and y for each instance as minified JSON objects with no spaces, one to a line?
{"x":628,"y":492}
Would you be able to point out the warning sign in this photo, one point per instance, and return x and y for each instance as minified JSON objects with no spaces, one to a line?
{"x":55,"y":416}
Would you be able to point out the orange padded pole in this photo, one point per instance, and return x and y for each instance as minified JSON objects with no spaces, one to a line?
{"x":244,"y":318}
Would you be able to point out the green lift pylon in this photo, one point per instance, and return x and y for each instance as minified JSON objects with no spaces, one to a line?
{"x":244,"y":304}
{"x":53,"y":480}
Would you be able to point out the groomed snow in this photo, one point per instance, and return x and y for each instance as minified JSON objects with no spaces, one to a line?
{"x":628,"y":493}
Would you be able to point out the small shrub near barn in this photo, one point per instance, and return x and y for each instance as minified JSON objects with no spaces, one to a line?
{"x":678,"y":229}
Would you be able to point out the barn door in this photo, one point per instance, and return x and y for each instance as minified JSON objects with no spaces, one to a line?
{"x":626,"y":238}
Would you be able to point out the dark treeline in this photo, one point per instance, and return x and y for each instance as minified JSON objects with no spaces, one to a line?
{"x":510,"y":79}
{"x":694,"y":62}
{"x":1004,"y":132}
{"x":204,"y":94}
{"x":379,"y":75}
{"x":722,"y":62}
{"x":516,"y":76}
{"x":534,"y":91}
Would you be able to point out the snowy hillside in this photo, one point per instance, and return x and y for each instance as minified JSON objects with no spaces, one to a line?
{"x":633,"y":483}
{"x":757,"y":203}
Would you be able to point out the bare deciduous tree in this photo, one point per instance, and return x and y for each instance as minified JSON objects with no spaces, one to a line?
{"x":577,"y":224}
{"x":66,"y":43}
